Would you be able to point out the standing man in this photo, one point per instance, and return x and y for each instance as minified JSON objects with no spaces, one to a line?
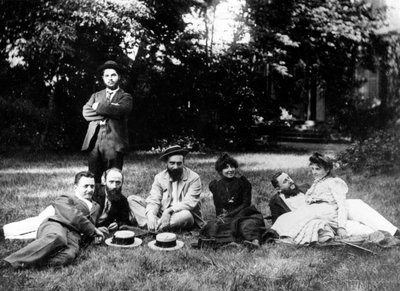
{"x":59,"y":236}
{"x":113,"y":204}
{"x":107,"y":113}
{"x":174,"y":201}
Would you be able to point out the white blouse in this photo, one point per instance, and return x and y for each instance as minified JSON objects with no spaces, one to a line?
{"x":332,"y":190}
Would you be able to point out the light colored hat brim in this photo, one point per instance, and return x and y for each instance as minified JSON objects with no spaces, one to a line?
{"x":137,"y":243}
{"x":152,"y":245}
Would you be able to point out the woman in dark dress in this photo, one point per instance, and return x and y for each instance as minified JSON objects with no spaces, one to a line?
{"x":237,"y":220}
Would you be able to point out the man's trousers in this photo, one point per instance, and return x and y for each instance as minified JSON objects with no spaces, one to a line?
{"x":102,"y":155}
{"x":179,"y":220}
{"x":55,"y":245}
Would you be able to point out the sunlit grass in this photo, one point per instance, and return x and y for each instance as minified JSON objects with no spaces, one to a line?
{"x":29,"y":184}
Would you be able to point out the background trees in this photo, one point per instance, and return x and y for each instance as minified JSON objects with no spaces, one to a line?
{"x":184,"y":85}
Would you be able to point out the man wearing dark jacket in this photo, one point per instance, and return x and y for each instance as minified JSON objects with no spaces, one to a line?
{"x":59,"y":236}
{"x":114,"y":206}
{"x":107,"y":113}
{"x":361,"y":218}
{"x":289,"y":196}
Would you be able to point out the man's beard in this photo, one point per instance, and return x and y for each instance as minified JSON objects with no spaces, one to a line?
{"x":114,"y":194}
{"x":291,"y":192}
{"x":175,"y":174}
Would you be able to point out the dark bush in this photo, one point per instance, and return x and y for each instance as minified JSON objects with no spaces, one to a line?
{"x":376,"y":154}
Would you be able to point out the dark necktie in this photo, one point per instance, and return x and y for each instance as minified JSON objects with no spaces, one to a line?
{"x":109,"y":93}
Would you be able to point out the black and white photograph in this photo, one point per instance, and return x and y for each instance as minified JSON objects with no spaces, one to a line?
{"x":199,"y":145}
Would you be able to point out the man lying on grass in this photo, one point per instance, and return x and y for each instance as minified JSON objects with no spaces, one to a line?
{"x":60,"y":236}
{"x":114,"y":212}
{"x":361,"y":218}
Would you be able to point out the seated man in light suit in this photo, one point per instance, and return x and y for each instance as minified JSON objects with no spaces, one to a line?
{"x":362,"y":219}
{"x":174,"y":201}
{"x":60,"y":235}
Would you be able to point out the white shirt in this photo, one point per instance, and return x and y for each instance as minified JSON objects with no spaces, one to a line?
{"x":174,"y":193}
{"x":112,"y":92}
{"x":106,"y":209}
{"x":294,"y":202}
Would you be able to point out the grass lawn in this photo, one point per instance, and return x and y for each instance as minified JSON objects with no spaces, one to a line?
{"x":30,"y":183}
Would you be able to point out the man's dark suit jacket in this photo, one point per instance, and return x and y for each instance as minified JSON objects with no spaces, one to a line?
{"x":119,"y":210}
{"x":116,"y":113}
{"x":279,"y":207}
{"x":74,"y":214}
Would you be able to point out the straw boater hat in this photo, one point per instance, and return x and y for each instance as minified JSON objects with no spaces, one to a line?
{"x":109,"y":65}
{"x":173,"y":150}
{"x":165,"y":241}
{"x":124,"y":239}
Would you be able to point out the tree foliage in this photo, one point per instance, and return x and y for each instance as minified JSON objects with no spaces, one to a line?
{"x":55,"y":47}
{"x":182,"y":90}
{"x":315,"y":44}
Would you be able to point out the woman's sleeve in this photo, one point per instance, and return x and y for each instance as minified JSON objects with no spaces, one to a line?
{"x":339,"y":190}
{"x":246,"y":191}
{"x":217,"y":201}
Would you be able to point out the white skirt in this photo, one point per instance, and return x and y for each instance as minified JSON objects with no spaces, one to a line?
{"x":291,"y":223}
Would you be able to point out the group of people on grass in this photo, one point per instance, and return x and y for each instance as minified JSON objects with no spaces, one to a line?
{"x":98,"y":207}
{"x":303,"y":214}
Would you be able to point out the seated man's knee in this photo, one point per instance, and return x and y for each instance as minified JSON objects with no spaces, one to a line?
{"x":182,"y":219}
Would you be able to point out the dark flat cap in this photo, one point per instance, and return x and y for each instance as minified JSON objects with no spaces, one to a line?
{"x":173,"y":150}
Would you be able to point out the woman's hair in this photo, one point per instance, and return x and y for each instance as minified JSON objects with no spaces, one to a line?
{"x":322,"y":161}
{"x":223,"y":161}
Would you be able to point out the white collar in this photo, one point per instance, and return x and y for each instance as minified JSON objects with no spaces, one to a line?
{"x":112,"y":91}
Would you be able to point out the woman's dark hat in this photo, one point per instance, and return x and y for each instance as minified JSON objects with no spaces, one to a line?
{"x":322,"y":160}
{"x":173,"y":150}
{"x":109,"y":65}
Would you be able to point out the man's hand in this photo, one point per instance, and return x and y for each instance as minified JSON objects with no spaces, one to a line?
{"x":165,"y":219}
{"x":152,"y":222}
{"x":95,"y":105}
{"x":342,"y":233}
{"x":224,"y":213}
{"x":102,"y":231}
{"x":113,"y":226}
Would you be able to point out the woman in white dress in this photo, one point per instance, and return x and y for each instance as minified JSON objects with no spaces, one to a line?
{"x":325,"y":213}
